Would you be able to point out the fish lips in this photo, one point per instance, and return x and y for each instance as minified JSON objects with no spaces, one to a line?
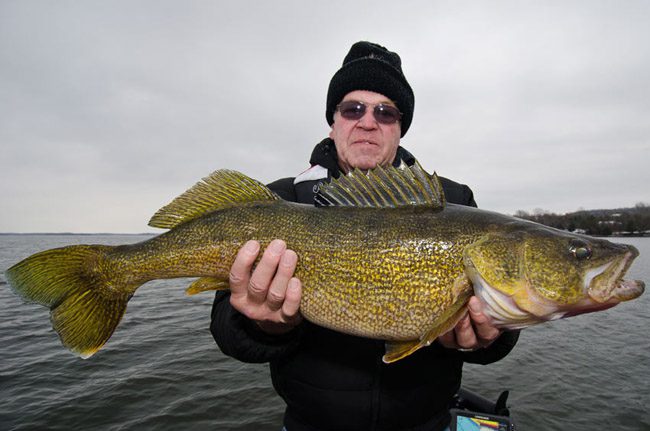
{"x":606,"y":285}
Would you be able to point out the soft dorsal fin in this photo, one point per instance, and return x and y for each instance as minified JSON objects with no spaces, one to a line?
{"x":389,"y":187}
{"x":221,"y":189}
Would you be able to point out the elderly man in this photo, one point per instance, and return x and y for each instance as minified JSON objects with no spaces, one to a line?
{"x":330,"y":380}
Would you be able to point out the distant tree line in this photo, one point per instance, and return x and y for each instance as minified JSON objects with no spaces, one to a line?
{"x":623,"y":221}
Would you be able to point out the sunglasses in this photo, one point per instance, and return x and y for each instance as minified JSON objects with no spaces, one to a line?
{"x":384,"y":114}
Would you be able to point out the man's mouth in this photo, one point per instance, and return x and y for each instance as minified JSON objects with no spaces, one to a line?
{"x":363,"y":142}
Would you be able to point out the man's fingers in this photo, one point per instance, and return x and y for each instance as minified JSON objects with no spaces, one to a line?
{"x":448,"y":340}
{"x":277,"y":292}
{"x":287,"y":317}
{"x":465,"y":336}
{"x":242,"y":266}
{"x":485,"y":331}
{"x":473,"y":331}
{"x":269,"y":295}
{"x":260,"y":280}
{"x":291,"y":303}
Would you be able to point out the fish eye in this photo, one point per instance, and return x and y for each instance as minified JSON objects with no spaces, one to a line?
{"x":580,"y":250}
{"x":582,"y":253}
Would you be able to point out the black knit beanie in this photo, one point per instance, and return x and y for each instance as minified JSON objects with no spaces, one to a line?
{"x":372,"y":67}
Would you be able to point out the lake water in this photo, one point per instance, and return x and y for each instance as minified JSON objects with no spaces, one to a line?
{"x":162,"y":370}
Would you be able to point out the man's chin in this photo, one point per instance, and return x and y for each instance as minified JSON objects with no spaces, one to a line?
{"x":366,"y":159}
{"x":364,"y":165}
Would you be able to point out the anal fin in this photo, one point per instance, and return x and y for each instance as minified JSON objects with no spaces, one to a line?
{"x":396,"y":350}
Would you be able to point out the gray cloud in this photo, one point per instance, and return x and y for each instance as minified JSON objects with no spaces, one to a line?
{"x":110,"y":109}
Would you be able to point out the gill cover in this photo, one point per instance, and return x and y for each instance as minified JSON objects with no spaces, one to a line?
{"x":556,"y":267}
{"x":498,"y":260}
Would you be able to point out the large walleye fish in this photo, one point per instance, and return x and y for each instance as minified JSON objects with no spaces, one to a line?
{"x":383,"y":256}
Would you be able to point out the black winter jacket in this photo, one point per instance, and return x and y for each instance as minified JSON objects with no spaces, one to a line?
{"x":335,"y":381}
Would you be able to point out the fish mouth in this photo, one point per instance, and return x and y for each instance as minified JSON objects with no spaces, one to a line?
{"x":605,"y":284}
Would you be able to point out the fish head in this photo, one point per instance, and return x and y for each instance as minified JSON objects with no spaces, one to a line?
{"x":536,"y":274}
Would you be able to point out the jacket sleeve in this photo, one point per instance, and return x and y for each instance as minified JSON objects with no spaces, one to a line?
{"x":239,"y":337}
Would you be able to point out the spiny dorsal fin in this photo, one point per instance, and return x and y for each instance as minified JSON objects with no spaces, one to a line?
{"x":221,"y":189}
{"x":389,"y":187}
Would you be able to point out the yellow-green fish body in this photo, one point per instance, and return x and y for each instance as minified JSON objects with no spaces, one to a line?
{"x":383,"y":258}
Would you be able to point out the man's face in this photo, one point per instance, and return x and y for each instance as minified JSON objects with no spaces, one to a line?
{"x":365,"y":143}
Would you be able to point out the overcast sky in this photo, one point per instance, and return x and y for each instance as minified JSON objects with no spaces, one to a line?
{"x":109,"y":109}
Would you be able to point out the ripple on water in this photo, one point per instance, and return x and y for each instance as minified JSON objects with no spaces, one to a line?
{"x":162,"y":370}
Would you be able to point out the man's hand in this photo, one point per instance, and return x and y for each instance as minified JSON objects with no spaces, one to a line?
{"x":270,"y":294}
{"x":473,"y":331}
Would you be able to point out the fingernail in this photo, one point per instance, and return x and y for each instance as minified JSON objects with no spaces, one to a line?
{"x":294,"y":284}
{"x":289,"y":258}
{"x":251,"y":246}
{"x":277,"y":246}
{"x":475,"y":307}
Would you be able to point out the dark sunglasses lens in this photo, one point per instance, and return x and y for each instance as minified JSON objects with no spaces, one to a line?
{"x":387,"y":114}
{"x":352,"y":110}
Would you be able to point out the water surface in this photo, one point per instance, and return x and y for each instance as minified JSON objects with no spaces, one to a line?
{"x":161,"y":369}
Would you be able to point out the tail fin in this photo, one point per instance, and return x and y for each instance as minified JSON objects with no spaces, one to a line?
{"x":86,"y":304}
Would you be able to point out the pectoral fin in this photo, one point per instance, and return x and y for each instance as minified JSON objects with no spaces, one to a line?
{"x":396,"y":350}
{"x":205,"y":284}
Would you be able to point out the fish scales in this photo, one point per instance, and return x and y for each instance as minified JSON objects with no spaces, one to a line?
{"x":381,"y":285}
{"x":364,"y":271}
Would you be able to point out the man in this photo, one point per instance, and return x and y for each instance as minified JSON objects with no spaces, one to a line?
{"x":330,"y":380}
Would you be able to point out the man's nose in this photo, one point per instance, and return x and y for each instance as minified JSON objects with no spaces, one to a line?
{"x":368,"y":120}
